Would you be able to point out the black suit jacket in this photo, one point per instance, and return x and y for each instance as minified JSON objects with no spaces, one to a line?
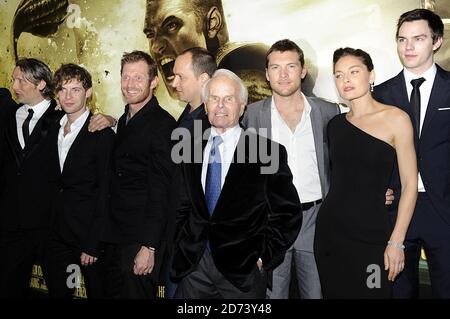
{"x":176,"y":185}
{"x":141,"y":171}
{"x":81,"y":202}
{"x":7,"y":107}
{"x":433,"y":146}
{"x":257,"y":215}
{"x":30,"y":178}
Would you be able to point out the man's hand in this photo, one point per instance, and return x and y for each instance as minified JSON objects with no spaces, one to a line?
{"x":259,"y":263}
{"x":144,"y":261}
{"x":58,"y":106}
{"x":99,"y":122}
{"x":87,"y":260}
{"x":389,"y":196}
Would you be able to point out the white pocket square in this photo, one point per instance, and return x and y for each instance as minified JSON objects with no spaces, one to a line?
{"x":444,"y":109}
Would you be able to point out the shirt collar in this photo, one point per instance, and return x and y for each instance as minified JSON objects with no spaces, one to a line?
{"x":228,"y":134}
{"x":307,"y":106}
{"x":79,"y":122}
{"x":428,"y":75}
{"x":39,"y":108}
{"x":197,"y":112}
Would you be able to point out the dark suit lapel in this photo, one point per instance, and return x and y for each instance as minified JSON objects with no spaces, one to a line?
{"x":438,"y":98}
{"x":76,"y":143}
{"x":400,"y":94}
{"x":183,"y":114}
{"x":41,"y":130}
{"x":13,"y":139}
{"x":401,"y":100}
{"x":234,"y":172}
{"x":196,"y":178}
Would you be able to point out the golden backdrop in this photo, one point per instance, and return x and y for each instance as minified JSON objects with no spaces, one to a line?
{"x":96,"y":33}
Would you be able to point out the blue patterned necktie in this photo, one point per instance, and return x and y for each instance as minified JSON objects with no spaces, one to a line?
{"x":213,"y":184}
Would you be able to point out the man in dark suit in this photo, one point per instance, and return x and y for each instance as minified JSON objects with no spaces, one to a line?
{"x":191,"y":70}
{"x":140,"y":179}
{"x":29,"y":179}
{"x":422,"y":89}
{"x":80,"y":204}
{"x":237,"y":215}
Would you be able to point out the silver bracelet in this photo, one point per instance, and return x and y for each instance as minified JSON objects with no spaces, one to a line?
{"x":396,"y":245}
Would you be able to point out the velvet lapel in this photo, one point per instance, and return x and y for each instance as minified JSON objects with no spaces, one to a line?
{"x":196,"y":178}
{"x":234,"y":174}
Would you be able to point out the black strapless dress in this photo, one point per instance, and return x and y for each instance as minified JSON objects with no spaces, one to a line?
{"x":353,"y":225}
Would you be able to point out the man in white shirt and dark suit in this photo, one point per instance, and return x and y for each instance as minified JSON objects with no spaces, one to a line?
{"x":29,"y":179}
{"x":81,"y":201}
{"x":422,"y":89}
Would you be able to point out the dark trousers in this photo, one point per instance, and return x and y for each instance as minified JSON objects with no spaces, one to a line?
{"x":430,"y":231}
{"x":19,"y":251}
{"x":121,"y":282}
{"x":206,"y":282}
{"x":172,"y":289}
{"x":60,"y":255}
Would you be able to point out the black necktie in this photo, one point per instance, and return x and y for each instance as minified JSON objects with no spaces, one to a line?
{"x":26,"y":126}
{"x":415,"y":101}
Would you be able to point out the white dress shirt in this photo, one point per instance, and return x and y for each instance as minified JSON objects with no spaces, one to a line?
{"x":301,"y":150}
{"x":230,"y":140}
{"x":425,"y":92}
{"x":65,"y":142}
{"x":22,"y":113}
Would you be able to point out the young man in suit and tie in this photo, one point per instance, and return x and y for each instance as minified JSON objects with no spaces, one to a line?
{"x":80,"y":204}
{"x":235,"y":220}
{"x":141,"y":171}
{"x":29,"y":178}
{"x":422,"y":90}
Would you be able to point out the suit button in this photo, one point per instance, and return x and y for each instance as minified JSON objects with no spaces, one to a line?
{"x":119,"y":174}
{"x":19,"y":174}
{"x":61,"y":190}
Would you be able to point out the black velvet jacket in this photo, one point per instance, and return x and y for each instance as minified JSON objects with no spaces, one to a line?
{"x":257,"y":215}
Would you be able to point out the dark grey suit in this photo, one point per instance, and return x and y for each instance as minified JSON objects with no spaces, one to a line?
{"x":258,"y":116}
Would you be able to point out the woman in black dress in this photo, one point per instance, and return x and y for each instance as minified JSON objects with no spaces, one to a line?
{"x":358,"y":250}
